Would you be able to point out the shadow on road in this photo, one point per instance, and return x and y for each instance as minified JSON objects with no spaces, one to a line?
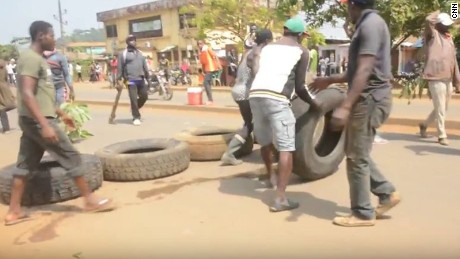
{"x":309,"y":204}
{"x":426,"y":150}
{"x":413,"y":137}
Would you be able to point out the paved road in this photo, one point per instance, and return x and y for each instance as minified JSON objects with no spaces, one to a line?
{"x":211,"y":211}
{"x":418,"y":109}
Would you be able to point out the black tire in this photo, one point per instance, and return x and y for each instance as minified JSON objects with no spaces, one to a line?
{"x":144,"y":159}
{"x":51,"y":184}
{"x":316,"y":158}
{"x":168,"y":94}
{"x":210,"y":143}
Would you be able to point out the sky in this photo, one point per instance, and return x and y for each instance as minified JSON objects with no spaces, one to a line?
{"x":17,"y":15}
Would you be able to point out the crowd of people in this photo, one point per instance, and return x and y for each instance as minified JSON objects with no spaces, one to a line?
{"x":268,"y":76}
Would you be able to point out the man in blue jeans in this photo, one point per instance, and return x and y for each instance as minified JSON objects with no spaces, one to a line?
{"x":366,"y":108}
{"x":132,"y":67}
{"x":280,"y":70}
{"x":61,"y":76}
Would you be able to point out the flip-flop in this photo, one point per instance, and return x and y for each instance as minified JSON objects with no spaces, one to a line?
{"x":103,"y":205}
{"x":21,"y":219}
{"x":279,"y":207}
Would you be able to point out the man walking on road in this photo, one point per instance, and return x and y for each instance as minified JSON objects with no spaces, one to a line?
{"x":367,"y":106}
{"x":61,"y":76}
{"x":132,"y":68}
{"x":280,"y":69}
{"x":441,"y":70}
{"x":40,"y":128}
{"x":211,"y":66}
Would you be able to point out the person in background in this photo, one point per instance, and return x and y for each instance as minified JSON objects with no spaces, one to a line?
{"x":61,"y":77}
{"x":132,"y":68}
{"x":39,"y":122}
{"x":165,"y":65}
{"x":114,"y":71}
{"x":211,"y":66}
{"x":78,"y":70}
{"x":150,"y":63}
{"x":240,"y":94}
{"x":98,"y":72}
{"x":441,"y":71}
{"x":92,"y":73}
{"x":10,"y":68}
{"x":71,"y":70}
{"x":4,"y":84}
{"x":313,"y":65}
{"x":185,"y":67}
{"x":366,"y":107}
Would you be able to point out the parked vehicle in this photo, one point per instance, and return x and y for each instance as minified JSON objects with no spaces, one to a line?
{"x":178,"y":76}
{"x":160,"y":85}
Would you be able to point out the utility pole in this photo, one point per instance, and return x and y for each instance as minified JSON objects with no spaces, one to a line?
{"x":60,"y":19}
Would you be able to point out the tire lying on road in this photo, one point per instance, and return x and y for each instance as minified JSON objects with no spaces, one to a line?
{"x":319,"y":151}
{"x":50,"y":184}
{"x":210,"y":143}
{"x":144,"y":159}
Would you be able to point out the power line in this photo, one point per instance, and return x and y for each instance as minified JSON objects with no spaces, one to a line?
{"x":60,"y":19}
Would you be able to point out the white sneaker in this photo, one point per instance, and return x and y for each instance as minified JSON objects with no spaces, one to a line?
{"x":137,"y":122}
{"x":380,"y":140}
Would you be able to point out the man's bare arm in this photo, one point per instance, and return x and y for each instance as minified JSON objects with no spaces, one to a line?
{"x":28,"y":88}
{"x":365,"y":66}
{"x":255,"y":61}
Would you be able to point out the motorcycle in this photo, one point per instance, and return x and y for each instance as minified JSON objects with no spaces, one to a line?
{"x":158,"y":83}
{"x":177,"y":75}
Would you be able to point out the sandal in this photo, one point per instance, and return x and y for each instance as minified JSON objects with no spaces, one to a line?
{"x":103,"y":205}
{"x":21,"y":219}
{"x":289,"y":205}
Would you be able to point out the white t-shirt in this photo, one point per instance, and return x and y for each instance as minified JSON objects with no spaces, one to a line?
{"x":9,"y":68}
{"x":78,"y":68}
{"x":70,"y":69}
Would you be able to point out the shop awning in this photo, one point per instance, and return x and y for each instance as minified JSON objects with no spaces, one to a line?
{"x":169,"y":48}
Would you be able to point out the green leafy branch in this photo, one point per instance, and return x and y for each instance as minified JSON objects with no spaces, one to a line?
{"x":80,"y":114}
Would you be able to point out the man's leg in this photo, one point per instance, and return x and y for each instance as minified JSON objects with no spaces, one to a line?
{"x":60,"y":96}
{"x":143,"y":94}
{"x":228,"y":158}
{"x":438,"y":90}
{"x":30,"y":154}
{"x":133,"y":95}
{"x":263,"y":133}
{"x":4,"y":121}
{"x":358,"y":147}
{"x":208,"y":86}
{"x":282,"y":121}
{"x":70,"y":159}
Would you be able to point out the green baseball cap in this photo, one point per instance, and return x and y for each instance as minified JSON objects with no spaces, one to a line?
{"x":296,"y":25}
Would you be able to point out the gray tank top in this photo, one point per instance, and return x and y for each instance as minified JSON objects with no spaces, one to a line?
{"x":240,"y":91}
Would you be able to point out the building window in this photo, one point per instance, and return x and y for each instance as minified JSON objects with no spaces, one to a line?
{"x":188,"y":19}
{"x":147,"y":27}
{"x":111,"y":31}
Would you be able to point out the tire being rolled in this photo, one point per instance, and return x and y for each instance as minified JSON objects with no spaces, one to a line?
{"x":51,"y":184}
{"x":318,"y":156}
{"x":209,"y":143}
{"x":144,"y":159}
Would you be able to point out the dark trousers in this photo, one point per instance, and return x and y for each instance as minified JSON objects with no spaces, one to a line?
{"x":4,"y":120}
{"x":246,"y":114}
{"x":207,"y":83}
{"x":33,"y":146}
{"x":138,"y":96}
{"x":364,"y":177}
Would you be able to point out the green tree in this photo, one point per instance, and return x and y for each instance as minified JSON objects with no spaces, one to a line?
{"x":405,"y":17}
{"x":8,"y":52}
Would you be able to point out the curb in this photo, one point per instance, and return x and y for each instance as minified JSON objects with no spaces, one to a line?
{"x":221,"y":89}
{"x":451,"y":125}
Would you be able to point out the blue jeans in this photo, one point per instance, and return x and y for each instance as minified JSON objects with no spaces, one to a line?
{"x":363,"y":175}
{"x":273,"y":120}
{"x":60,"y":96}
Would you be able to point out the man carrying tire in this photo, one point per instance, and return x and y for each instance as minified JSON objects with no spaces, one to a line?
{"x":240,"y":94}
{"x":367,"y":106}
{"x":133,"y":69}
{"x":40,"y":129}
{"x":279,"y":70}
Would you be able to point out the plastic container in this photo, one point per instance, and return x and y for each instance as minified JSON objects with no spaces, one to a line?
{"x":195,"y":96}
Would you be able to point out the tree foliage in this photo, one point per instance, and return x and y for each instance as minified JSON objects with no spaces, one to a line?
{"x":405,"y":17}
{"x":236,"y":15}
{"x":8,"y":52}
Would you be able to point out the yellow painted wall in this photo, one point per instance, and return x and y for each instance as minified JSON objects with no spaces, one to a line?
{"x":171,"y":33}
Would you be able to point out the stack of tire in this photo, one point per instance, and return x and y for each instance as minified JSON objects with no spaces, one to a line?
{"x":318,"y":154}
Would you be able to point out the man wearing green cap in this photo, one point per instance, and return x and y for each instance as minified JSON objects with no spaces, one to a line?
{"x":367,"y":106}
{"x":280,"y":70}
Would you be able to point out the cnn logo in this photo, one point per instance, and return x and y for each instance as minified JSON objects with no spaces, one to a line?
{"x":454,"y":11}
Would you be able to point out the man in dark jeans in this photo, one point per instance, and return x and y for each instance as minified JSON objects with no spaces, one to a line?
{"x":367,"y":106}
{"x":40,"y":127}
{"x":133,"y":69}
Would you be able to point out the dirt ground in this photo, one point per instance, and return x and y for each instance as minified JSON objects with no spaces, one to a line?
{"x":210,"y":211}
